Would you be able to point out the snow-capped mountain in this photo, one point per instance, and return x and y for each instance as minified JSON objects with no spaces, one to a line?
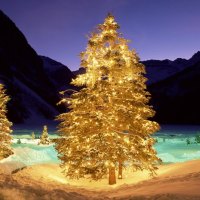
{"x":31,"y":81}
{"x":58,"y":73}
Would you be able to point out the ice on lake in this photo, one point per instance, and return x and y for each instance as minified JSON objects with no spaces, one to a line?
{"x":171,"y":146}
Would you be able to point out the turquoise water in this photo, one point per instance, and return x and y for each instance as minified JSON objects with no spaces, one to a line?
{"x":172,"y":143}
{"x":171,"y":146}
{"x":30,"y":154}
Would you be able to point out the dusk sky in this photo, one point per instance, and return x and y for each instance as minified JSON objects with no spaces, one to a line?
{"x":158,"y":29}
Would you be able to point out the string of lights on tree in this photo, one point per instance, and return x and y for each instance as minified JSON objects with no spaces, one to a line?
{"x":5,"y":126}
{"x":44,"y":139}
{"x":108,"y":126}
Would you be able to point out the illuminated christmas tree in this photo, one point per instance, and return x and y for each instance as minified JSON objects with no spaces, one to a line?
{"x":33,"y":136}
{"x":5,"y":130}
{"x":44,"y":139}
{"x":108,"y":126}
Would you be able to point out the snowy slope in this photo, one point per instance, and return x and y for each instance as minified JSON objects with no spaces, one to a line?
{"x":37,"y":108}
{"x":173,"y":182}
{"x":33,"y":87}
{"x":58,"y":73}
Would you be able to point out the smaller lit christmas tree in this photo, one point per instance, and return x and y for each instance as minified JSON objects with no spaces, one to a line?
{"x":33,"y":136}
{"x":5,"y":131}
{"x":44,"y":139}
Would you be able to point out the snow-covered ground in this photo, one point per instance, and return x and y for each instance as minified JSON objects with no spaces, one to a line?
{"x":170,"y":150}
{"x":171,"y":146}
{"x":178,"y":181}
{"x":33,"y":172}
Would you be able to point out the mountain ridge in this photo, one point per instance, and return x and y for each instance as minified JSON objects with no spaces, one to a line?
{"x":23,"y":72}
{"x":33,"y":82}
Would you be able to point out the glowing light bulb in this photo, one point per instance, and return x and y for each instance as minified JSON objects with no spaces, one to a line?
{"x":122,"y":47}
{"x":112,"y":164}
{"x":107,"y":163}
{"x":87,"y":140}
{"x":126,"y":140}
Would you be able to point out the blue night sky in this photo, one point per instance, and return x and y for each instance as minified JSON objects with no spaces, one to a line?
{"x":158,"y":29}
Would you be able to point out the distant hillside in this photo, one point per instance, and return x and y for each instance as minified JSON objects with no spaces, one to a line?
{"x":58,"y":73}
{"x":31,"y":83}
{"x":177,"y":98}
{"x":158,"y":70}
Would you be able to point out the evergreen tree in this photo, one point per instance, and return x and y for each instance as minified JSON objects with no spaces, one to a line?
{"x":33,"y":136}
{"x":197,"y":138}
{"x":188,"y":141}
{"x":44,"y":139}
{"x":5,"y":126}
{"x":108,"y":123}
{"x":19,"y":141}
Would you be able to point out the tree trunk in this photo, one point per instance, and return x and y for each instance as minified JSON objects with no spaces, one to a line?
{"x":112,"y":177}
{"x":120,"y":170}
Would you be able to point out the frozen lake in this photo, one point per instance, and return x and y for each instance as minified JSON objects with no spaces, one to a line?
{"x":171,"y":145}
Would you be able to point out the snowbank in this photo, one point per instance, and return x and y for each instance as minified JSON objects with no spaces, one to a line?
{"x":30,"y":154}
{"x":178,"y":181}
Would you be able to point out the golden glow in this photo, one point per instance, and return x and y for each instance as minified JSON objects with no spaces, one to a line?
{"x":58,"y":179}
{"x":44,"y":139}
{"x":108,"y":119}
{"x":5,"y":130}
